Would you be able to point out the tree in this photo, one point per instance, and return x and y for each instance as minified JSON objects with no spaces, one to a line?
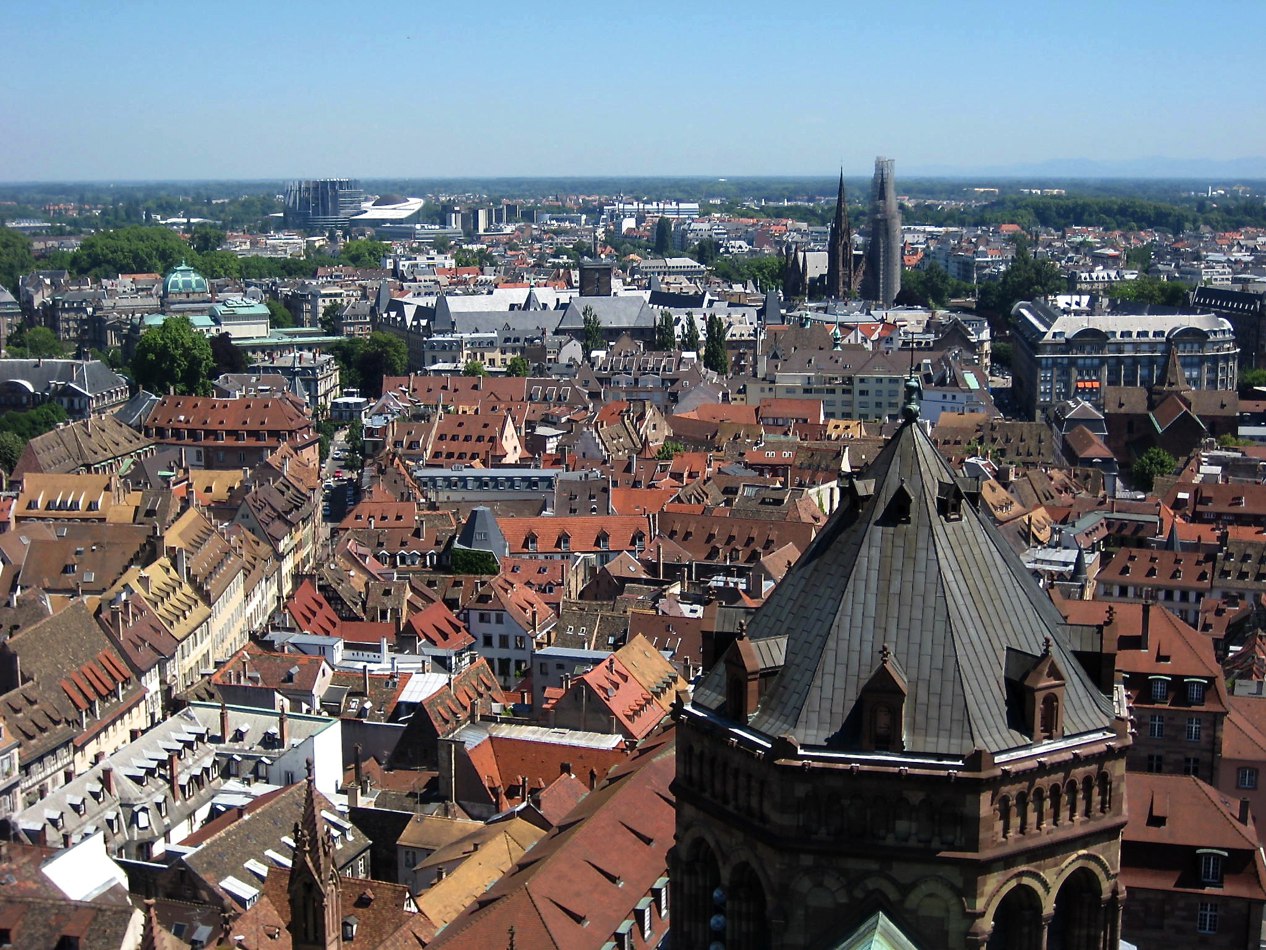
{"x":11,"y":446}
{"x":174,"y":357}
{"x":715,"y":356}
{"x":705,"y":252}
{"x":1251,"y":379}
{"x":364,"y":255}
{"x":228,"y":358}
{"x":205,"y":238}
{"x":690,"y":338}
{"x":474,"y":367}
{"x":663,"y":237}
{"x":1150,"y":466}
{"x":131,"y":250}
{"x":441,"y":244}
{"x":594,"y":339}
{"x":669,"y":449}
{"x":1025,"y":279}
{"x":665,"y":332}
{"x":518,"y":366}
{"x":1140,"y":258}
{"x":1000,"y":355}
{"x":36,"y":343}
{"x":278,"y":315}
{"x":382,"y":355}
{"x":330,"y":314}
{"x":15,"y":258}
{"x":215,"y":264}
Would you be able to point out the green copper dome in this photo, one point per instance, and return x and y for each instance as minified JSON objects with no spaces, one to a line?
{"x":184,"y":280}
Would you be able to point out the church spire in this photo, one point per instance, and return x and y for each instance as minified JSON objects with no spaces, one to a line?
{"x":840,"y":276}
{"x":315,"y":907}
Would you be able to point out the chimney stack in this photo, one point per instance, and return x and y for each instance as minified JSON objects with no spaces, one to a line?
{"x":283,"y":725}
{"x":593,"y":779}
{"x":365,"y":679}
{"x":173,"y":763}
{"x":224,"y":722}
{"x":107,"y":780}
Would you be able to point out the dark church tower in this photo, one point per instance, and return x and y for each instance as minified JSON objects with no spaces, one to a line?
{"x":316,"y":916}
{"x":841,"y":276}
{"x":907,"y":740}
{"x":884,"y":252}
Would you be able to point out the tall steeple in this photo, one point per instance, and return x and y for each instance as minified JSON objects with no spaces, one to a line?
{"x":884,"y":251}
{"x":840,"y":279}
{"x":316,"y":915}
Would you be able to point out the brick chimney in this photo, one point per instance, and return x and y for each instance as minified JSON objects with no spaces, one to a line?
{"x":224,"y":722}
{"x":173,"y":766}
{"x":107,"y":780}
{"x":283,"y":726}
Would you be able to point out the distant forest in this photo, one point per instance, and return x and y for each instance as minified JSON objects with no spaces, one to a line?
{"x":1129,"y":204}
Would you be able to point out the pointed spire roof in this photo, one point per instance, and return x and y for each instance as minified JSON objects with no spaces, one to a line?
{"x":907,"y":561}
{"x":313,"y":850}
{"x":1175,"y":380}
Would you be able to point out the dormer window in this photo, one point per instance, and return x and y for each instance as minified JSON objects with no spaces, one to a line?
{"x":1160,"y":690}
{"x":883,"y":706}
{"x":1043,"y":688}
{"x":1211,"y":867}
{"x":1195,"y":692}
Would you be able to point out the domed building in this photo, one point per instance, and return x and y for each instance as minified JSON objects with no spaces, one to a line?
{"x":907,"y":739}
{"x":185,"y":289}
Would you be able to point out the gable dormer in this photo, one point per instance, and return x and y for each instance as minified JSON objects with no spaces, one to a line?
{"x":883,"y":701}
{"x":1043,"y":688}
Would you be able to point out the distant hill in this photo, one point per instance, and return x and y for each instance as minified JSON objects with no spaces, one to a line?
{"x":1252,"y":167}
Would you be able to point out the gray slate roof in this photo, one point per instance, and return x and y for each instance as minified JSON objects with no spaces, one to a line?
{"x":625,"y":313}
{"x":45,"y":375}
{"x":949,"y":598}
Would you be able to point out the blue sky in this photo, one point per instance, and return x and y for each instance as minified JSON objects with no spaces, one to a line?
{"x":273,"y":89}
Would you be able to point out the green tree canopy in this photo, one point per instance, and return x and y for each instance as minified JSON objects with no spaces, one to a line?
{"x":35,"y":343}
{"x":1250,"y":379}
{"x":28,"y":424}
{"x":1150,"y":466}
{"x":278,"y":314}
{"x":15,"y":258}
{"x":364,"y":255}
{"x":205,"y":238}
{"x":474,"y":367}
{"x":174,"y":357}
{"x":518,"y":366}
{"x":130,"y":250}
{"x":663,"y":236}
{"x":715,"y":356}
{"x":594,"y":339}
{"x":329,"y":317}
{"x":1025,"y":279}
{"x":228,"y":358}
{"x":665,"y":332}
{"x":690,"y":336}
{"x":11,"y":446}
{"x":1151,"y":290}
{"x":381,"y":355}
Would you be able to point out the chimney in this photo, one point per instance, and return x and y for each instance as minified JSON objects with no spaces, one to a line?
{"x":593,"y":779}
{"x":182,"y":564}
{"x":224,"y":722}
{"x":1244,"y":812}
{"x":173,"y":763}
{"x":283,"y":725}
{"x":365,"y":682}
{"x":143,"y":579}
{"x":1147,"y":620}
{"x":116,"y":619}
{"x":356,"y":764}
{"x":107,"y":780}
{"x":564,"y":768}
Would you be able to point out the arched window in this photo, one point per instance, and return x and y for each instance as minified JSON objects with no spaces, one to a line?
{"x":1057,"y":799}
{"x":1050,"y":716}
{"x":881,"y":727}
{"x":1004,"y":814}
{"x":1039,"y":808}
{"x":1022,"y":812}
{"x":1087,"y":796}
{"x":1105,"y":792}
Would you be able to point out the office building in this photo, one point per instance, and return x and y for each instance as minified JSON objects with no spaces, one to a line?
{"x":322,"y":204}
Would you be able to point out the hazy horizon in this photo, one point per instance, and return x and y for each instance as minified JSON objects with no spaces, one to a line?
{"x":144,"y":92}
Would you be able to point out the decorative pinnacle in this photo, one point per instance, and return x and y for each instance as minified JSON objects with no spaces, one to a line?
{"x":1046,"y":646}
{"x":914,"y":395}
{"x":885,"y":654}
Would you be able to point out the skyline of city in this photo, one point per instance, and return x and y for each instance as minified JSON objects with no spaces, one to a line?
{"x":286,"y":91}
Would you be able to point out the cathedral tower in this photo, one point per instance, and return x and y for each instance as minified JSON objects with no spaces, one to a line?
{"x":842,"y":277}
{"x":907,"y":739}
{"x":882,"y":279}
